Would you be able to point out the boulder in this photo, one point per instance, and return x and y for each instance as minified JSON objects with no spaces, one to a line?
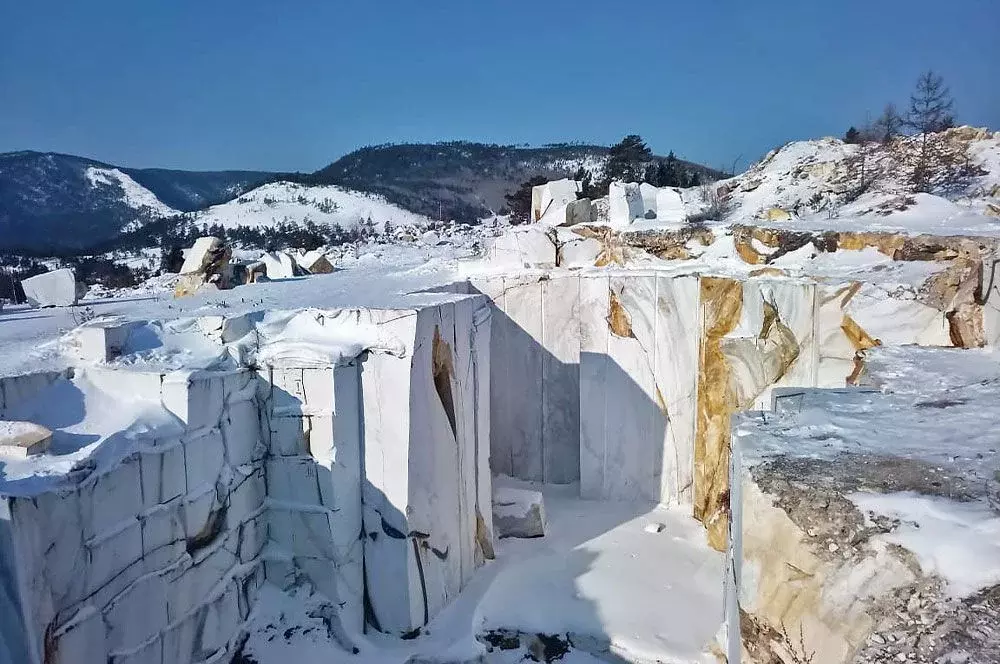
{"x":206,"y":266}
{"x":314,"y":262}
{"x":518,"y":512}
{"x":23,"y":439}
{"x":280,"y":265}
{"x":669,"y":205}
{"x":57,"y":288}
{"x":430,"y":238}
{"x":649,"y":198}
{"x":625,"y":202}
{"x":777,"y":214}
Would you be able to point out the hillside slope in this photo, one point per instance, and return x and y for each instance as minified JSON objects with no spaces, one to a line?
{"x":52,"y":201}
{"x":828,"y":183}
{"x":460,"y":180}
{"x":288,"y":202}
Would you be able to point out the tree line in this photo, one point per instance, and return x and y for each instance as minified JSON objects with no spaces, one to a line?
{"x":629,"y":160}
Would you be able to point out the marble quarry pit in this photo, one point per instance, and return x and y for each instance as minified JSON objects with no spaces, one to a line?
{"x":363,"y":451}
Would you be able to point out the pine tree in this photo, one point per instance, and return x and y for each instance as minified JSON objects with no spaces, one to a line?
{"x":519,"y":201}
{"x":627,"y":160}
{"x":930,"y":111}
{"x":853,"y":136}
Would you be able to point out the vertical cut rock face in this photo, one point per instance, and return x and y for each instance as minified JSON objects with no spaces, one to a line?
{"x":864,"y":526}
{"x":153,"y":546}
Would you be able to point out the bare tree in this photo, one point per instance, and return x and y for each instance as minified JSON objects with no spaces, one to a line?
{"x":888,"y":125}
{"x":930,"y":111}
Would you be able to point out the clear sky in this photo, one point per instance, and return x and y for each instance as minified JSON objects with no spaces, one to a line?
{"x":293,"y":85}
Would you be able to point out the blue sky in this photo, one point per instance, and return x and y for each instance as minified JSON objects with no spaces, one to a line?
{"x":293,"y":85}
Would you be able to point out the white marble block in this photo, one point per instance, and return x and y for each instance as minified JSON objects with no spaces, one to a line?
{"x":280,"y":265}
{"x":670,"y":205}
{"x":638,"y":373}
{"x":518,"y":512}
{"x":625,"y":201}
{"x":419,"y":511}
{"x":552,"y":195}
{"x":649,"y":199}
{"x":23,"y":439}
{"x":57,"y":288}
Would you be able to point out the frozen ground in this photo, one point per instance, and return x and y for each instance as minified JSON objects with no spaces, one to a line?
{"x":635,"y":581}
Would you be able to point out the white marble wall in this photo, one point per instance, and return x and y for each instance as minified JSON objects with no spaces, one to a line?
{"x":638,"y":385}
{"x":535,"y":376}
{"x":425,"y":493}
{"x":151,"y":559}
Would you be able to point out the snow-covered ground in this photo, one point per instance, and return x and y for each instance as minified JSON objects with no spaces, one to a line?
{"x":631,"y":582}
{"x":132,"y":193}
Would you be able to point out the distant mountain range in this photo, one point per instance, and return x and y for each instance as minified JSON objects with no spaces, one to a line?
{"x":56,"y":202}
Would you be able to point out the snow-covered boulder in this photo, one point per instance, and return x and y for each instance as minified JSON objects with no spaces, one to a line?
{"x":625,"y":201}
{"x":280,"y":265}
{"x":552,"y":195}
{"x":206,"y":267}
{"x":518,"y":512}
{"x":430,"y":238}
{"x":579,"y":212}
{"x":57,"y":288}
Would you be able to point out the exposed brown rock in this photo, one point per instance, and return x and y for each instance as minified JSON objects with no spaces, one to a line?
{"x":721,"y":304}
{"x":619,"y":321}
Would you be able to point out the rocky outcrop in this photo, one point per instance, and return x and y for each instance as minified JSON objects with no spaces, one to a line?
{"x":206,"y":267}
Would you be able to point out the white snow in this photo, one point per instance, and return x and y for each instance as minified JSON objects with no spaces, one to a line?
{"x":958,"y":541}
{"x":133,"y":194}
{"x":601,"y":571}
{"x":279,"y":202}
{"x":91,"y":421}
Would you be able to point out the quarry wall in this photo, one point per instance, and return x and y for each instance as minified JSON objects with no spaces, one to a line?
{"x":368,"y":479}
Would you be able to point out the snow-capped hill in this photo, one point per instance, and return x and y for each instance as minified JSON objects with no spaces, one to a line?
{"x":955,"y":175}
{"x":287,"y":202}
{"x":132,"y":194}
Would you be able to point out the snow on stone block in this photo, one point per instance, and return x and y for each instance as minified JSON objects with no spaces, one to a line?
{"x":314,"y":262}
{"x":57,"y":288}
{"x":280,"y":265}
{"x":202,"y":255}
{"x":518,"y":512}
{"x":524,"y":246}
{"x":23,"y":439}
{"x":552,"y":195}
{"x":226,"y":329}
{"x":625,"y":201}
{"x":669,"y":205}
{"x":101,"y":342}
{"x":913,"y":488}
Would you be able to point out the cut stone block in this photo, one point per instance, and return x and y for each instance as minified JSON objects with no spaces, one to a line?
{"x":670,"y":205}
{"x":101,"y":342}
{"x":552,"y":195}
{"x":518,"y":512}
{"x":579,"y":212}
{"x":57,"y":288}
{"x":23,"y":439}
{"x":280,"y":265}
{"x":314,"y":262}
{"x":625,"y":201}
{"x":649,"y":199}
{"x":523,"y":246}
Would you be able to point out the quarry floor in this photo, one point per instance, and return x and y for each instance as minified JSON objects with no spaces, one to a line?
{"x":625,"y":581}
